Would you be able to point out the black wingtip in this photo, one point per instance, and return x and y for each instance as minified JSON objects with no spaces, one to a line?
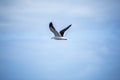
{"x":50,"y":24}
{"x":70,"y":25}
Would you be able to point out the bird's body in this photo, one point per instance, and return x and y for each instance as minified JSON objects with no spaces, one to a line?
{"x":59,"y":38}
{"x":58,"y":35}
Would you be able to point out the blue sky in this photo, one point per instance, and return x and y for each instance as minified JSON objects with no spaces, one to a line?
{"x":91,"y":52}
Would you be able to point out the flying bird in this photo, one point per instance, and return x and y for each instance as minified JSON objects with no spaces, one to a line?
{"x":58,"y":35}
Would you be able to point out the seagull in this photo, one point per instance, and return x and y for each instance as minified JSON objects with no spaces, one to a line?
{"x":58,"y":35}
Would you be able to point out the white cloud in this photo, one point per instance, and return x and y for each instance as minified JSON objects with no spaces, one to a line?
{"x":99,"y":10}
{"x":51,"y":8}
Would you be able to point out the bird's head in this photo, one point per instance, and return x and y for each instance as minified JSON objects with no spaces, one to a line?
{"x":52,"y":37}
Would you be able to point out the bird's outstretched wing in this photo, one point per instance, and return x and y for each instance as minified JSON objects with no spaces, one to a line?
{"x":53,"y":29}
{"x":63,"y":30}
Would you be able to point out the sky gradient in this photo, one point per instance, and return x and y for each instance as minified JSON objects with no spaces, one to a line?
{"x":92,"y":51}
